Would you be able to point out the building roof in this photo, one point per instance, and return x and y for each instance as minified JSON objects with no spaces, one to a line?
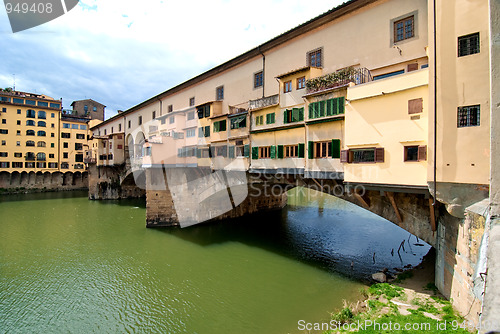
{"x":298,"y":70}
{"x":328,"y":16}
{"x":93,"y":101}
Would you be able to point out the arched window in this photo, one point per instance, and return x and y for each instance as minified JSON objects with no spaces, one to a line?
{"x":42,"y":114}
{"x":30,"y":143}
{"x":30,"y":123}
{"x":42,"y":124}
{"x":30,"y":156}
{"x":41,"y":133}
{"x":30,"y":113}
{"x":30,"y":132}
{"x":41,"y":144}
{"x":40,"y":156}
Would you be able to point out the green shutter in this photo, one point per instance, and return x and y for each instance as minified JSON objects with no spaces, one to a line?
{"x":301,"y":150}
{"x":322,"y":108}
{"x":316,"y":110}
{"x":246,"y":151}
{"x":329,"y":107}
{"x":301,"y":114}
{"x":216,"y":127}
{"x":231,"y":152}
{"x":273,"y":118}
{"x":280,"y":151}
{"x":284,"y":117}
{"x":255,"y":153}
{"x":311,"y":110}
{"x":198,"y":153}
{"x":336,"y":148}
{"x":222,"y":126}
{"x":273,"y":152}
{"x":310,"y":149}
{"x":341,"y":105}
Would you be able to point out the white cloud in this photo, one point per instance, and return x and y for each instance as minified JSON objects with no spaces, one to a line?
{"x":120,"y":52}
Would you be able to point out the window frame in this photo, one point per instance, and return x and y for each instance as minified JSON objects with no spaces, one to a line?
{"x":312,"y":57}
{"x":467,"y":109}
{"x":219,"y":93}
{"x":287,"y":86}
{"x":258,"y":79}
{"x":468,"y":49}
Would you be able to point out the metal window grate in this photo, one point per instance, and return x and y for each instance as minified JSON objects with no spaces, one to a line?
{"x":468,"y":116}
{"x":468,"y":45}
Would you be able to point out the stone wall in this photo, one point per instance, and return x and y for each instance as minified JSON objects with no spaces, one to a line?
{"x":25,"y":182}
{"x":112,"y":182}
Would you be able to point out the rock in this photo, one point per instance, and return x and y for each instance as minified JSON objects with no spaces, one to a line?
{"x":385,"y":270}
{"x":379,"y":277}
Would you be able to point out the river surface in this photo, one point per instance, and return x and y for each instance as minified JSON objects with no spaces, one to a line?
{"x":70,"y":265}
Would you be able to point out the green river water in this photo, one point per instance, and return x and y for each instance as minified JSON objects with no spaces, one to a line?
{"x":70,"y":265}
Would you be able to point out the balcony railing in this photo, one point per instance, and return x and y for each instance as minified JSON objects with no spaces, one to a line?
{"x":339,"y":78}
{"x":263,"y":102}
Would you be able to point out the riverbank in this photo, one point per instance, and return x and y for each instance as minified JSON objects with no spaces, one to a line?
{"x":22,"y":190}
{"x":411,"y":303}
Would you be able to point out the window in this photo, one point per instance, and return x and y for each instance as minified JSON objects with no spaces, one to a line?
{"x":404,"y":29}
{"x":363,"y":155}
{"x":4,"y":109}
{"x":120,"y":127}
{"x":30,"y":132}
{"x":41,"y":144}
{"x":415,"y":106}
{"x":265,"y":152}
{"x":74,"y":126}
{"x":170,"y":108}
{"x":80,"y":136}
{"x":51,"y":156}
{"x":239,"y":122}
{"x":190,"y":115}
{"x":78,"y":157}
{"x":219,"y":93}
{"x":258,"y":79}
{"x":204,"y":131}
{"x":40,"y":156}
{"x":65,"y":135}
{"x":52,"y":115}
{"x":153,"y":115}
{"x":415,"y":153}
{"x":240,"y":148}
{"x":18,"y":155}
{"x":4,"y":121}
{"x":190,"y":133}
{"x":18,"y":122}
{"x":52,"y":145}
{"x":41,"y":134}
{"x":315,"y":58}
{"x":4,"y":131}
{"x":65,"y":145}
{"x":94,"y":109}
{"x":204,"y":111}
{"x":4,"y":143}
{"x":129,"y":124}
{"x":31,"y":102}
{"x":468,"y":45}
{"x":220,"y":126}
{"x":105,"y":131}
{"x":41,"y":165}
{"x":18,"y":101}
{"x":79,"y":146}
{"x":19,"y":111}
{"x":86,"y":108}
{"x":30,"y":113}
{"x":171,"y":120}
{"x":42,"y":124}
{"x":140,"y":120}
{"x":468,"y":116}
{"x":270,"y":118}
{"x":52,"y":125}
{"x":52,"y":135}
{"x":29,"y":165}
{"x":43,"y":104}
{"x":42,"y":114}
{"x":52,"y":164}
{"x":18,"y":143}
{"x":293,"y":115}
{"x":65,"y":155}
{"x":259,"y":120}
{"x":301,"y":82}
{"x":191,"y":102}
{"x":64,"y":165}
{"x":30,"y":143}
{"x":113,"y":130}
{"x":83,"y":127}
{"x":66,"y":126}
{"x":17,"y":165}
{"x":287,"y":87}
{"x":30,"y":156}
{"x":30,"y":123}
{"x":291,"y":151}
{"x":4,"y":154}
{"x":4,"y":164}
{"x":221,"y":151}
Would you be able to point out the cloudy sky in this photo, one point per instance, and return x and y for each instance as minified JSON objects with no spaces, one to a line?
{"x":121,"y":52}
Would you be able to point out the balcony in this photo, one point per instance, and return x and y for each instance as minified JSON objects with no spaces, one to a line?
{"x":264,"y":102}
{"x":338,"y":79}
{"x":89,"y":160}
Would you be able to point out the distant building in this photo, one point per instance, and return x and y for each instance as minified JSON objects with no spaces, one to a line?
{"x":88,"y":108}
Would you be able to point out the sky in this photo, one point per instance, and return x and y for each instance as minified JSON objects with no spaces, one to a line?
{"x":121,"y":52}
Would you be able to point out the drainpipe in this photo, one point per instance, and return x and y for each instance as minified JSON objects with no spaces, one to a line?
{"x":263,"y":72}
{"x":435,"y":103}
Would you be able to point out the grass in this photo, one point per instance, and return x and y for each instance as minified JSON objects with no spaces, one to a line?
{"x":385,"y":317}
{"x":404,"y":275}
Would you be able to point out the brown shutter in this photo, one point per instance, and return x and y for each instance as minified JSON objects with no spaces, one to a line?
{"x":344,"y":156}
{"x":415,"y":106}
{"x":422,"y":153}
{"x":412,"y":67}
{"x":379,"y":154}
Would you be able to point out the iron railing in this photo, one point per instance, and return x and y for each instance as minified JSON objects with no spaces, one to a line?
{"x":339,"y":78}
